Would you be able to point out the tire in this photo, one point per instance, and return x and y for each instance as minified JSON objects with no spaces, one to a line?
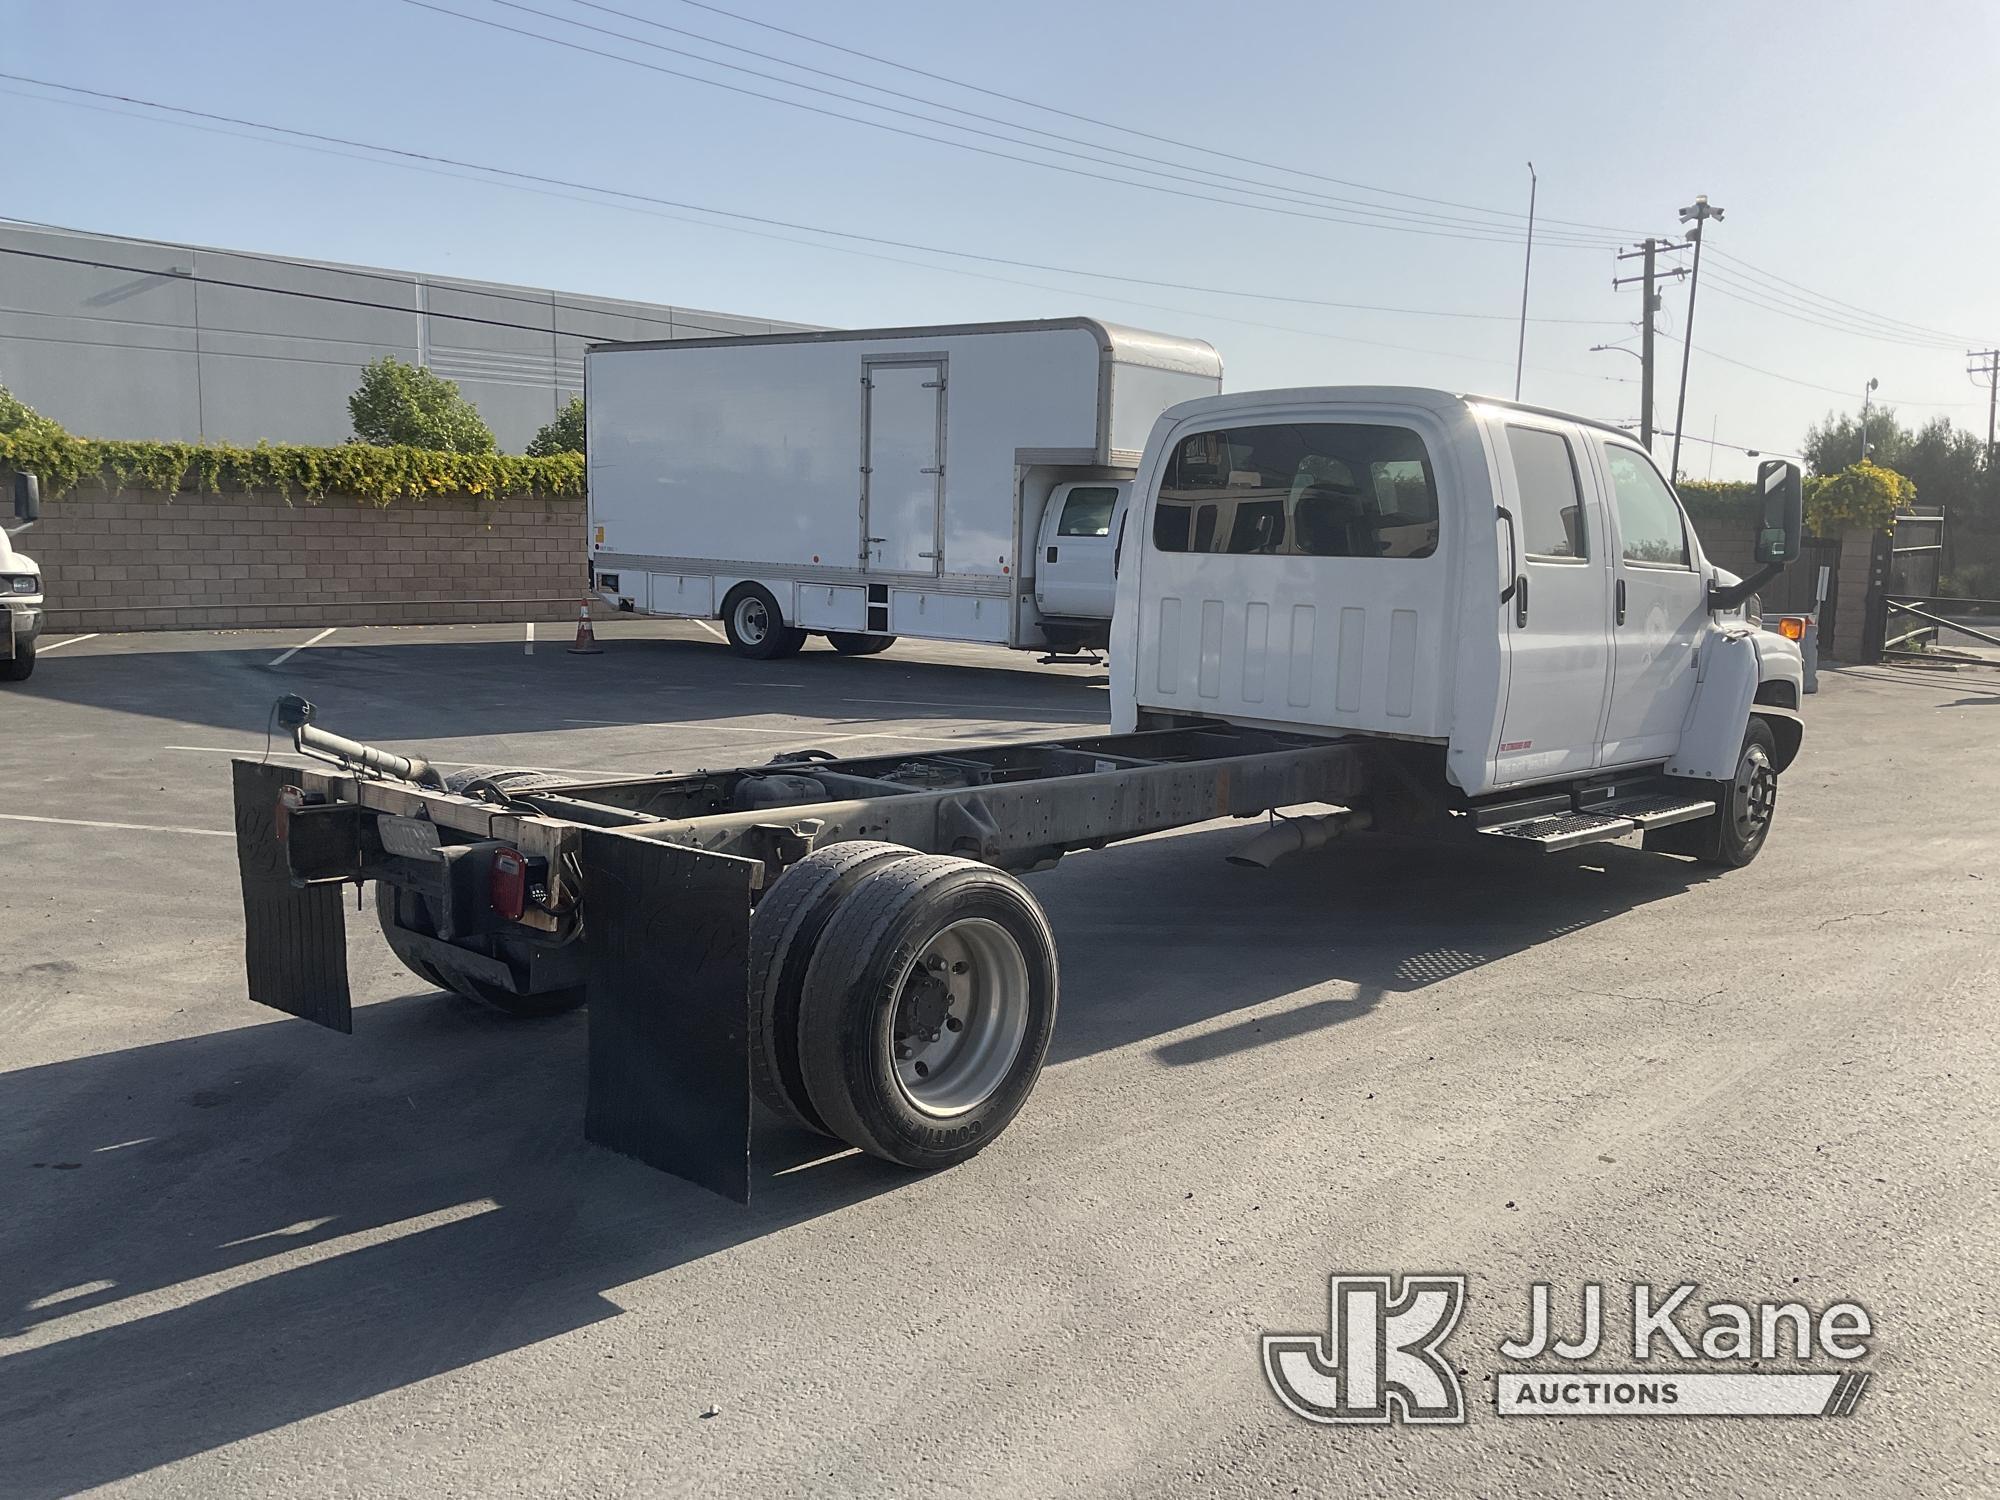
{"x":469,"y":986}
{"x":847,"y":643}
{"x":755,"y":626}
{"x":1746,"y":804}
{"x":21,"y":665}
{"x":947,"y":1092}
{"x":784,"y":929}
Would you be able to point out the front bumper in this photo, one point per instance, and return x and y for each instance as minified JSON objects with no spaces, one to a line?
{"x":23,"y":624}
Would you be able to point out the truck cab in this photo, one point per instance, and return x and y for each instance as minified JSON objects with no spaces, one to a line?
{"x":1516,"y":586}
{"x":20,"y":587}
{"x":1074,"y":554}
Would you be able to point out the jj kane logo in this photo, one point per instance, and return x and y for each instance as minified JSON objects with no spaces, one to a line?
{"x":1381,"y":1359}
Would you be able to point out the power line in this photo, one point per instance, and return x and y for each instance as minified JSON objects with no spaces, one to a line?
{"x":1130,"y":130}
{"x":1499,"y":237}
{"x":1757,"y":274}
{"x":1234,"y":183}
{"x":433,"y":158}
{"x":1808,"y":384}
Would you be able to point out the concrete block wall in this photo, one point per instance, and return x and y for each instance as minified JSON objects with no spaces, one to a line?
{"x":128,"y":560}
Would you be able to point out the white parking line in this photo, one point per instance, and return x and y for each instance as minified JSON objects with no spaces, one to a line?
{"x":209,"y":833}
{"x":710,"y":629}
{"x":58,"y":645}
{"x":285,"y":656}
{"x":528,"y":639}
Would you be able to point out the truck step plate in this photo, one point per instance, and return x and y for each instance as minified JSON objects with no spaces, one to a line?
{"x":1563,"y":830}
{"x":1658,"y":812}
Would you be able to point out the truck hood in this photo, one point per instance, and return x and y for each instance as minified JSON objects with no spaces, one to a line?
{"x":15,"y":562}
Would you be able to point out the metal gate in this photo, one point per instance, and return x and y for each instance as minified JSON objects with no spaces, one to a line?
{"x":1913,"y":619}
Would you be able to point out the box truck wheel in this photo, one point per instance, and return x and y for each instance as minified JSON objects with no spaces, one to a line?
{"x":927,"y":1009}
{"x":1745,"y":805}
{"x":21,"y":665}
{"x":391,"y":912}
{"x":755,"y":626}
{"x":784,"y":929}
{"x":849,"y":643}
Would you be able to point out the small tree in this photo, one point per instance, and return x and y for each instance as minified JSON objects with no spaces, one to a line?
{"x":563,"y":434}
{"x":399,"y":404}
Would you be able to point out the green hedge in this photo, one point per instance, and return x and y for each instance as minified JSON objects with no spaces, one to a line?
{"x":381,"y":476}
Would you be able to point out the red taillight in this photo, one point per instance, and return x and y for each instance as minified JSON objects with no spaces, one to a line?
{"x":507,"y":883}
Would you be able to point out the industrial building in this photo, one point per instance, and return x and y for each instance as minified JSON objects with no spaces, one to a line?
{"x":117,"y":337}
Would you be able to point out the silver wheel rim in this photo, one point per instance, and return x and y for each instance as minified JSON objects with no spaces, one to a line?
{"x":961,"y":1016}
{"x":753,"y":621}
{"x":1754,"y":797}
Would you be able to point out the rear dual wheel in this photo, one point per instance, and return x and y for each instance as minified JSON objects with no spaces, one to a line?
{"x":902,"y":1002}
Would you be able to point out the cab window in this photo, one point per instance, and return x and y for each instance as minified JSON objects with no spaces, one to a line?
{"x":1299,"y":489}
{"x":1550,"y":494}
{"x":1087,"y":511}
{"x":1650,"y":528}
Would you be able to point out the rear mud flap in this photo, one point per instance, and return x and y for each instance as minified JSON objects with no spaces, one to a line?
{"x":294,"y":937}
{"x":668,"y":985}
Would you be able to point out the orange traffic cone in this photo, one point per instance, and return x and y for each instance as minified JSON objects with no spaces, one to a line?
{"x":586,"y":641}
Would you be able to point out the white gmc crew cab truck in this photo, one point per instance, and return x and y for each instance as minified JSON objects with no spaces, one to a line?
{"x":1517,"y":587}
{"x":1370,"y":608}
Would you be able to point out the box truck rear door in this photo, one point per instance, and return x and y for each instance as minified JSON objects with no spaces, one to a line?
{"x":903,"y":469}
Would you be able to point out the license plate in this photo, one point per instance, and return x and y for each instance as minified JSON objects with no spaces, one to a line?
{"x":412,"y":838}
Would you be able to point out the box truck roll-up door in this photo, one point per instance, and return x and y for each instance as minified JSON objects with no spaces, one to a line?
{"x":903,"y":470}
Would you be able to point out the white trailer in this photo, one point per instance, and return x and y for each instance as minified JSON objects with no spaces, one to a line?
{"x":954,"y":483}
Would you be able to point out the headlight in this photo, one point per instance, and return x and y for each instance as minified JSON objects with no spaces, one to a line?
{"x":21,"y":583}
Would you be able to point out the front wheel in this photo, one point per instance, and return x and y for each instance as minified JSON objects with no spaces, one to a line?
{"x":927,"y":1009}
{"x":1746,"y":804}
{"x":756,"y":628}
{"x":21,"y":665}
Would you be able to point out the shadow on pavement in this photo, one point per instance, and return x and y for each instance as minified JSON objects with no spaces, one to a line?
{"x":214,"y":1237}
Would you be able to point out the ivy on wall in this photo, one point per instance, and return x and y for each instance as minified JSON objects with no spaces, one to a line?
{"x":379,"y":475}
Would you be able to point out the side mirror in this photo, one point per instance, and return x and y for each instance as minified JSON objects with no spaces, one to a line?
{"x":27,"y":498}
{"x":1781,"y":489}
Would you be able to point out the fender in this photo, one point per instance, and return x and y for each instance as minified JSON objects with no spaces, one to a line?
{"x":1788,"y":731}
{"x":1725,"y":688}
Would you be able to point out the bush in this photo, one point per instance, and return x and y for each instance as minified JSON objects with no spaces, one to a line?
{"x":399,"y":405}
{"x":1863,"y":494}
{"x":563,"y":434}
{"x":382,"y":475}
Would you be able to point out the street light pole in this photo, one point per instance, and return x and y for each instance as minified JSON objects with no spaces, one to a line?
{"x":1866,"y":392}
{"x":1527,"y":263}
{"x":1700,"y":211}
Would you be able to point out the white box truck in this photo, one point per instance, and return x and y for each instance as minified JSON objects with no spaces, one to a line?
{"x":957,"y":483}
{"x":1440,"y":617}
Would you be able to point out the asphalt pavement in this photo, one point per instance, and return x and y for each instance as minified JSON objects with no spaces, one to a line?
{"x":243,"y":1256}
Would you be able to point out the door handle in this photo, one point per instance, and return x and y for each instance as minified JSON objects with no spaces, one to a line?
{"x":1521,"y":600}
{"x":1052,"y":554}
{"x":874,"y":539}
{"x":1621,"y":601}
{"x":930,"y":554}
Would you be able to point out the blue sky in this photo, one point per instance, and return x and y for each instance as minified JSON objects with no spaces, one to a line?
{"x":1846,"y":144}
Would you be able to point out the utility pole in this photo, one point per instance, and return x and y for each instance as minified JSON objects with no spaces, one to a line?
{"x":1867,"y":392}
{"x":1648,"y":251}
{"x":1987,"y":362}
{"x":1521,"y":347}
{"x":1700,"y":211}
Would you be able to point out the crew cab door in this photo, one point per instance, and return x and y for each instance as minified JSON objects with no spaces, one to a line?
{"x":1073,"y":568}
{"x":1557,"y":620}
{"x":1659,"y":608}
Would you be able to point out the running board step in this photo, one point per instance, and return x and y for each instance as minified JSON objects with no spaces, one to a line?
{"x":1571,"y":830}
